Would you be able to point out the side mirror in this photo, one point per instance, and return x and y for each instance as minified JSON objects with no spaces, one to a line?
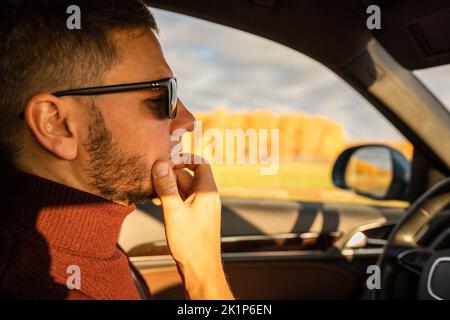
{"x":376,"y":171}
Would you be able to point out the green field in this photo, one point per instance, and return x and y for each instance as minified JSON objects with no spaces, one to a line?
{"x":307,"y":181}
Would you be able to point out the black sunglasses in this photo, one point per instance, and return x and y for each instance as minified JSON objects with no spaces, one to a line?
{"x":169,"y":85}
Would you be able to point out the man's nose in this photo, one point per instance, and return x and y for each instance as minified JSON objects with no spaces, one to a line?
{"x":184,"y":119}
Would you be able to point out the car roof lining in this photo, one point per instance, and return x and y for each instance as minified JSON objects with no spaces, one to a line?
{"x":412,"y":31}
{"x":415,"y":33}
{"x":315,"y":29}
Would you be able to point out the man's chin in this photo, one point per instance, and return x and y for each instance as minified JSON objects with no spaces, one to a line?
{"x":135,"y":198}
{"x":142,"y":198}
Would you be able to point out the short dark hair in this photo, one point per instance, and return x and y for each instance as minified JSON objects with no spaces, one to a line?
{"x":38,"y":52}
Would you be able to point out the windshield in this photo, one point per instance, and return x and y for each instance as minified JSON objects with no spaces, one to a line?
{"x":437,"y":80}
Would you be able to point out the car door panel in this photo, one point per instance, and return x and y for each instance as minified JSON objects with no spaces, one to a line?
{"x":271,"y":249}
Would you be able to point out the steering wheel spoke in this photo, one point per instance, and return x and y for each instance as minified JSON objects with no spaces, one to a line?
{"x":414,"y":260}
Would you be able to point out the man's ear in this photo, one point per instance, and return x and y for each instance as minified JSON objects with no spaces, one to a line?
{"x":47,"y":118}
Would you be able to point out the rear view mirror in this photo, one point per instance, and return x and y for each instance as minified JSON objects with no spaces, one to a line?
{"x":375,"y":171}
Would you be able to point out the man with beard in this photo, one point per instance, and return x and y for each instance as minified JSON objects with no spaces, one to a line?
{"x":85,"y":133}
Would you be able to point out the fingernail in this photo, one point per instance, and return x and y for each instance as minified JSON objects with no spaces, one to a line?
{"x":162,"y":169}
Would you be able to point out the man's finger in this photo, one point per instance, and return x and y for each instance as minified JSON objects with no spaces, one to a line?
{"x":203,"y":176}
{"x":185,"y":182}
{"x":165,"y":185}
{"x":156,"y":202}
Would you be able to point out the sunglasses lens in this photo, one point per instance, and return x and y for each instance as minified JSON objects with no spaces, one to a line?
{"x":173,"y":98}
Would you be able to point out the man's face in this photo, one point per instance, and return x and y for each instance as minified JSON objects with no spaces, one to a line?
{"x":125,"y":135}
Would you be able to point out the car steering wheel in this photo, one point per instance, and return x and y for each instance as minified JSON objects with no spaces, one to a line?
{"x":409,"y":268}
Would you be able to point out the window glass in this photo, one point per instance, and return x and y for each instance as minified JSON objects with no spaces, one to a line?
{"x":437,"y":81}
{"x":232,"y":80}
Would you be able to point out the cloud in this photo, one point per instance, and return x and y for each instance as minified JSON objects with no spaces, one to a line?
{"x":221,"y":66}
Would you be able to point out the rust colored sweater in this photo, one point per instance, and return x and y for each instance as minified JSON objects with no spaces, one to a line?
{"x":46,"y":227}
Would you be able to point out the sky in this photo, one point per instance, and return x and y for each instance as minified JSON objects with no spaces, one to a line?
{"x":437,"y":79}
{"x":217,"y":66}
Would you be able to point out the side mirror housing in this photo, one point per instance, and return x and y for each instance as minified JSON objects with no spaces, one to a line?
{"x":375,"y":171}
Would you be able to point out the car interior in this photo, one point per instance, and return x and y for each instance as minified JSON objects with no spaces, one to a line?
{"x":277,"y":249}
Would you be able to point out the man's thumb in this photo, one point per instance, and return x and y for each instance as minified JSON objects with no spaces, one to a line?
{"x":164,"y":182}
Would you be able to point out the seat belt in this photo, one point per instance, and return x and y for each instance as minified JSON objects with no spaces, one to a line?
{"x":139,"y":281}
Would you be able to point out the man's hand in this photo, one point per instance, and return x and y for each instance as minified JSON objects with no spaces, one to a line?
{"x":192,"y":212}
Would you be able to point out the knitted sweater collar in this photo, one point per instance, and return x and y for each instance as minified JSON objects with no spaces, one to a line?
{"x":64,"y":217}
